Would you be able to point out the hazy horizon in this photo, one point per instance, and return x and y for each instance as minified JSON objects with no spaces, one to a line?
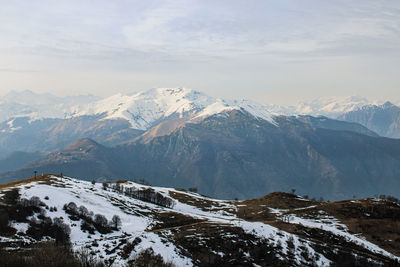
{"x":287,"y":103}
{"x":279,"y":52}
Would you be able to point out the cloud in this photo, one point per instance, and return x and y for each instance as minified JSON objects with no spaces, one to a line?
{"x":198,"y":42}
{"x":16,"y":70}
{"x":153,"y":30}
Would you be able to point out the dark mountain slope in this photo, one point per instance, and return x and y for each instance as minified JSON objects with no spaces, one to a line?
{"x":20,"y":134}
{"x":244,"y":157}
{"x":326,"y":123}
{"x":383,"y":119}
{"x":84,"y":157}
{"x":240,"y":156}
{"x":18,"y":159}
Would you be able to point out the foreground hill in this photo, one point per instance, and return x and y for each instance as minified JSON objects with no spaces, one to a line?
{"x":234,"y":154}
{"x":189,"y":229}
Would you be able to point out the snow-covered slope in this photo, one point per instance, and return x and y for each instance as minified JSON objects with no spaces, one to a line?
{"x":201,"y":221}
{"x":326,"y":106}
{"x":383,"y":119}
{"x":146,"y":108}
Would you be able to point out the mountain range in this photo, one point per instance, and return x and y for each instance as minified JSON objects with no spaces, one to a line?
{"x":225,"y":148}
{"x":27,"y":118}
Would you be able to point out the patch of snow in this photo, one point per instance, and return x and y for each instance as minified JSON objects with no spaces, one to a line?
{"x":135,"y":224}
{"x":20,"y":227}
{"x":332,"y":225}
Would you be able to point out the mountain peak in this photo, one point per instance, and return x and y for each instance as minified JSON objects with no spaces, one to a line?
{"x":144,"y":109}
{"x":83,"y":143}
{"x":387,"y":104}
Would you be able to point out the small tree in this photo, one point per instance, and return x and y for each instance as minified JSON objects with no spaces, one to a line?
{"x":116,"y":221}
{"x":62,"y":232}
{"x":143,"y":182}
{"x":34,"y":201}
{"x":83,"y":211}
{"x":71,"y":208}
{"x":4,"y":218}
{"x":12,"y":197}
{"x":105,"y":186}
{"x":193,"y":189}
{"x":100,"y":220}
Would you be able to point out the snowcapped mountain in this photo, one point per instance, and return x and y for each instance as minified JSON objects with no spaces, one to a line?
{"x":383,"y":119}
{"x":37,"y":106}
{"x":29,"y":118}
{"x":144,"y":109}
{"x":325,"y":106}
{"x":116,"y":222}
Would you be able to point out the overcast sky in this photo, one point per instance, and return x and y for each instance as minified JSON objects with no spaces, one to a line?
{"x":272,"y":51}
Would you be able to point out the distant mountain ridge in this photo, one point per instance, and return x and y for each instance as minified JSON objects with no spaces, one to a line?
{"x":38,"y":106}
{"x":113,"y":120}
{"x":239,"y":155}
{"x":383,"y":119}
{"x":227,"y":148}
{"x":331,"y":107}
{"x":144,"y":108}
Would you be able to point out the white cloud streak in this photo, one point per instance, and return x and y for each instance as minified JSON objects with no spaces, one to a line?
{"x":259,"y":41}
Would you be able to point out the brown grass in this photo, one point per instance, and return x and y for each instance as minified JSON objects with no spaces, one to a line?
{"x":169,"y":220}
{"x":257,"y":209}
{"x":43,"y":179}
{"x":201,"y":203}
{"x":377,"y":221}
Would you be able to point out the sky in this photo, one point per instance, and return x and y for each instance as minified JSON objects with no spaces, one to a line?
{"x":280,"y":51}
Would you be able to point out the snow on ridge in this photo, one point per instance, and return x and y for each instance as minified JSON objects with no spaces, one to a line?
{"x":255,"y":109}
{"x":330,"y":106}
{"x":324,"y":106}
{"x":145,"y":108}
{"x":38,"y":106}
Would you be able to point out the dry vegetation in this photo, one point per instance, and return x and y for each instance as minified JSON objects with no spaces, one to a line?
{"x":377,"y":221}
{"x":168,"y":220}
{"x":217,"y":244}
{"x":258,"y":209}
{"x":201,"y":203}
{"x":213,"y":244}
{"x":44,"y":179}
